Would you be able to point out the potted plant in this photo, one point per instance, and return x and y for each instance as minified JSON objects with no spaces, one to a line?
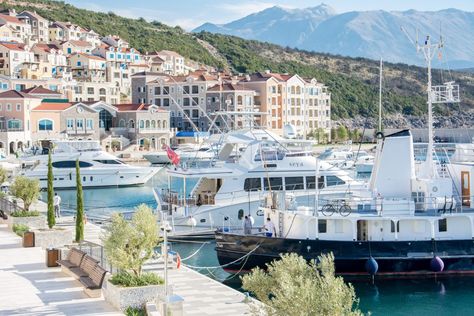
{"x":26,"y":190}
{"x":128,"y":245}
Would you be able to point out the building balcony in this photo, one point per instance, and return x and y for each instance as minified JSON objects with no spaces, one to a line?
{"x":152,"y":130}
{"x":79,"y":131}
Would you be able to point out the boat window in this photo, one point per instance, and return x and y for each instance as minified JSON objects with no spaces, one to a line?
{"x":392,"y":226}
{"x":294,"y":183}
{"x":310,"y":182}
{"x":275,"y":183}
{"x":240,"y":215}
{"x":322,"y":226}
{"x":270,"y":155}
{"x":443,"y":225}
{"x":253,"y":184}
{"x":109,"y":161}
{"x":70,"y":164}
{"x":333,"y":180}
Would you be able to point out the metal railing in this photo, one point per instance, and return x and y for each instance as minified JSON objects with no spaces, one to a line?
{"x":9,"y":206}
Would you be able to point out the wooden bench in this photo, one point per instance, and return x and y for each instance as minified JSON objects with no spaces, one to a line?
{"x":86,"y":269}
{"x":86,"y":266}
{"x":93,"y":282}
{"x":73,"y":259}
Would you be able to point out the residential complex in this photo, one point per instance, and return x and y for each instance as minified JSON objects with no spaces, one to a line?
{"x":62,"y":80}
{"x":211,"y":101}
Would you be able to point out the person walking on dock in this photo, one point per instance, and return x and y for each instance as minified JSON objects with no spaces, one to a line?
{"x":247,"y":225}
{"x":269,"y":228}
{"x":57,"y":203}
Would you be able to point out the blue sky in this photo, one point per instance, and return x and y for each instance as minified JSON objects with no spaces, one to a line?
{"x":192,"y":13}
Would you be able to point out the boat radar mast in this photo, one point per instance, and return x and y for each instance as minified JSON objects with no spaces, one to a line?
{"x":446,"y":93}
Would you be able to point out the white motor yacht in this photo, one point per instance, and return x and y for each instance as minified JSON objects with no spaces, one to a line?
{"x":98,"y":168}
{"x":251,"y":163}
{"x":186,"y":153}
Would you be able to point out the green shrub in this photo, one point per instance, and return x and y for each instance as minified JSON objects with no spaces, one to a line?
{"x":132,"y":311}
{"x":126,"y":279}
{"x":20,"y":229}
{"x":23,"y":213}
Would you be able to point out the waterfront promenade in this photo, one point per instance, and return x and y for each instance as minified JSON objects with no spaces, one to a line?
{"x":28,"y":287}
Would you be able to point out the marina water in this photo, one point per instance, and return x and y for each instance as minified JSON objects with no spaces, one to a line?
{"x":444,"y":296}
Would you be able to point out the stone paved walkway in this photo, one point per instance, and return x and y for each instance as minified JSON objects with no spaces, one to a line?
{"x":27,"y":287}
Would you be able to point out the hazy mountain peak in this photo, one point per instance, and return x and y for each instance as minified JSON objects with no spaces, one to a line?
{"x":323,"y":9}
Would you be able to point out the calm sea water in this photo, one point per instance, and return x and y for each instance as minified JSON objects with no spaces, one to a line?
{"x":452,"y":296}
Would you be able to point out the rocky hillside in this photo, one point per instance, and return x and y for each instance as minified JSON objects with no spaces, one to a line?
{"x":353,"y":82}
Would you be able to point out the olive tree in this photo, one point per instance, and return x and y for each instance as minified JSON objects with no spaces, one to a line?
{"x":292,"y":286}
{"x":3,"y":175}
{"x":26,"y":189}
{"x":128,"y":245}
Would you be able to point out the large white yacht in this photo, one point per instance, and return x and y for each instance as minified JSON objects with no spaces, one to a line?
{"x":251,"y":163}
{"x":98,"y":168}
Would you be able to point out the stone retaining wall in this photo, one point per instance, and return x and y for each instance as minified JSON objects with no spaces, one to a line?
{"x":32,"y":222}
{"x":53,"y":238}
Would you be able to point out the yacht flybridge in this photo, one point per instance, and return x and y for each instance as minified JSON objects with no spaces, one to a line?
{"x":251,"y":163}
{"x":98,"y":168}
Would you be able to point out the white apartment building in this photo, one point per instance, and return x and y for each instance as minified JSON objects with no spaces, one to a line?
{"x":21,"y":29}
{"x":86,"y":67}
{"x":39,"y":25}
{"x":95,"y":91}
{"x":14,"y":58}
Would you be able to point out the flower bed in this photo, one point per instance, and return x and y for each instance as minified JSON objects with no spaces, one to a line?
{"x":123,"y":297}
{"x":53,"y":238}
{"x":34,"y":221}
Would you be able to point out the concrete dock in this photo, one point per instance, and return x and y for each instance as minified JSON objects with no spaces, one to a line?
{"x":28,"y":287}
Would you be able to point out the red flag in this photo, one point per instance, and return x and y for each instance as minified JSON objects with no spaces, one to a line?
{"x":172,"y":155}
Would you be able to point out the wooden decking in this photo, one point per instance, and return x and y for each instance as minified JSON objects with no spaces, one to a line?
{"x":28,"y":287}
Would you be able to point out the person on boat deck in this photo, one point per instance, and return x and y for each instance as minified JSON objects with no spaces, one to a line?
{"x":269,"y":228}
{"x":247,"y":225}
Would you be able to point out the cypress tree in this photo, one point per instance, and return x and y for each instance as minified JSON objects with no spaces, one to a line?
{"x":79,"y":206}
{"x":51,"y":217}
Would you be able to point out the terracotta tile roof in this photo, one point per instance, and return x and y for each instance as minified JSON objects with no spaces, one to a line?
{"x":13,"y":94}
{"x":40,"y":90}
{"x":81,"y":43}
{"x":91,"y":56}
{"x":168,"y":53}
{"x":13,"y":46}
{"x":47,"y":47}
{"x":10,"y":19}
{"x":124,"y":107}
{"x":229,"y":87}
{"x":52,"y":106}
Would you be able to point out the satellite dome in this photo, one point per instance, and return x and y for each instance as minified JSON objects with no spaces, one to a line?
{"x":289,"y":131}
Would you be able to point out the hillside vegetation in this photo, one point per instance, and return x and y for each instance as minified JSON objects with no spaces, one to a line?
{"x":353,"y":82}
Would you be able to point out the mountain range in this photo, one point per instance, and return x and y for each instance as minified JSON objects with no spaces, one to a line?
{"x":369,"y":34}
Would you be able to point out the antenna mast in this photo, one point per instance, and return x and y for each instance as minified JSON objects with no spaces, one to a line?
{"x":380,"y":96}
{"x":446,"y":93}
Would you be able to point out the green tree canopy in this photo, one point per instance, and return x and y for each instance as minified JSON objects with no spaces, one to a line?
{"x":292,"y":286}
{"x":26,"y":189}
{"x":79,"y":205}
{"x":129,"y":244}
{"x":342,"y":133}
{"x":51,"y":215}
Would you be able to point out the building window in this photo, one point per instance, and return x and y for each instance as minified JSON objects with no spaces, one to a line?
{"x":70,"y":123}
{"x":166,"y":102}
{"x":142,"y":124}
{"x":18,"y":107}
{"x":45,"y":125}
{"x":166,"y":90}
{"x":90,"y":90}
{"x":131,"y":124}
{"x":14,"y":124}
{"x":157,"y":90}
{"x":80,"y":123}
{"x":90,"y":124}
{"x":9,"y":107}
{"x":102,"y":91}
{"x":186,"y":101}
